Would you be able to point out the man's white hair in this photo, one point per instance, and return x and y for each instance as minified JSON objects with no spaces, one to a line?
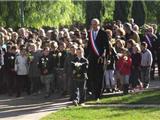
{"x":96,"y":20}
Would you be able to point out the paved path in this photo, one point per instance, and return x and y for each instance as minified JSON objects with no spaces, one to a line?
{"x":29,"y":107}
{"x":36,"y":107}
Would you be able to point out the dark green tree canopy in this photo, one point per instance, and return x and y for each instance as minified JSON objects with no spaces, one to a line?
{"x":139,"y":12}
{"x":122,"y":10}
{"x":93,"y":10}
{"x":67,"y":12}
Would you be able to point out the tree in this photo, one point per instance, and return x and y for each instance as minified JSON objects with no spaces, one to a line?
{"x":53,"y":13}
{"x":122,"y":10}
{"x":3,"y":13}
{"x":153,"y":10}
{"x":42,"y":13}
{"x":93,"y":10}
{"x":108,"y":11}
{"x":12,"y":18}
{"x":139,"y":12}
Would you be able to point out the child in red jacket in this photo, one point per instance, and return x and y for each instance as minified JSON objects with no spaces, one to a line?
{"x":124,"y":67}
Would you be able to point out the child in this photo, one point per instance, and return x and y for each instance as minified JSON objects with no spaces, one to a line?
{"x":46,"y":68}
{"x":110,"y":67}
{"x":60,"y":75}
{"x":146,"y":63}
{"x":21,"y":68}
{"x":80,"y":65}
{"x":34,"y":73}
{"x":129,"y":44}
{"x":68,"y":70}
{"x":136,"y":63}
{"x":119,"y":45}
{"x":54,"y":54}
{"x":124,"y":67}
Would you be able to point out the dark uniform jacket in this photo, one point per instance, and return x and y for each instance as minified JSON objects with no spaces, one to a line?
{"x":60,"y":59}
{"x":54,"y":55}
{"x":46,"y":63}
{"x":112,"y":57}
{"x":9,"y":61}
{"x":80,"y":66}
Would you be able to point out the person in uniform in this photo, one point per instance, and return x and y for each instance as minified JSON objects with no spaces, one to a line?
{"x":46,"y":69}
{"x":80,"y":66}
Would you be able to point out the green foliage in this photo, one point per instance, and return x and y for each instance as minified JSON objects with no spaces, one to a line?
{"x":42,"y":13}
{"x":66,"y":12}
{"x":93,"y":10}
{"x":153,"y":10}
{"x":139,"y":12}
{"x":109,"y":10}
{"x":122,"y":10}
{"x":12,"y":18}
{"x":101,"y":9}
{"x":3,"y":13}
{"x":105,"y":113}
{"x":145,"y":97}
{"x":53,"y":13}
{"x":79,"y":12}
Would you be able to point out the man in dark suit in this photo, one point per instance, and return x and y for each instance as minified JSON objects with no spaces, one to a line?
{"x":98,"y":46}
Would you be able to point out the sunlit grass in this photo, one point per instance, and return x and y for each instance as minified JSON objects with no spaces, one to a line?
{"x":80,"y":113}
{"x":147,"y":97}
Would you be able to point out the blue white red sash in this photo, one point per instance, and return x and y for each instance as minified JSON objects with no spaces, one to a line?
{"x":93,"y":44}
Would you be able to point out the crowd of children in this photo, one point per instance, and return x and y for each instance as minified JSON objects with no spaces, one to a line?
{"x":56,"y":60}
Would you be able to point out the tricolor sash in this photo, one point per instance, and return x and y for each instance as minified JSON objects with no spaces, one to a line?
{"x":93,"y":44}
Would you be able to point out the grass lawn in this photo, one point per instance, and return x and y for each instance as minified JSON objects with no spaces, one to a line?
{"x":108,"y":113}
{"x":79,"y":113}
{"x":146,"y":97}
